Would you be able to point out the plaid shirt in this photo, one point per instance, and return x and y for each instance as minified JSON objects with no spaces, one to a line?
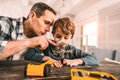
{"x":10,"y":29}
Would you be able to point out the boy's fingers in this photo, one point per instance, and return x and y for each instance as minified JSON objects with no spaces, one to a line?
{"x":51,"y":42}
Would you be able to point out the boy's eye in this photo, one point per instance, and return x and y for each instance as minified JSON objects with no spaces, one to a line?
{"x":58,"y":36}
{"x":66,"y":37}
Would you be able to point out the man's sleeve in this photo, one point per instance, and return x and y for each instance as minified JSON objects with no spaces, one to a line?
{"x":4,"y":30}
{"x":2,"y":45}
{"x":34,"y":54}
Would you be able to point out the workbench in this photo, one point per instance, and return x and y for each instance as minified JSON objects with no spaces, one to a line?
{"x":15,"y":70}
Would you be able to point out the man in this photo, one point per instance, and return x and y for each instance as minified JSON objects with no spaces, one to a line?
{"x":16,"y":35}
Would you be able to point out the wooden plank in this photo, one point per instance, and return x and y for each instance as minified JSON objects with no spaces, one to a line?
{"x":15,"y":70}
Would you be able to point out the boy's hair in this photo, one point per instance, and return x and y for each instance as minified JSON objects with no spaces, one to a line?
{"x":39,"y":9}
{"x":66,"y":25}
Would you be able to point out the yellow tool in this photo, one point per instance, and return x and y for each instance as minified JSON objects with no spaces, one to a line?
{"x":79,"y":74}
{"x":39,"y":69}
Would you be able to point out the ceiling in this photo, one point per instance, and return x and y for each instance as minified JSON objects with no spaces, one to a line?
{"x":67,"y":7}
{"x":76,"y":9}
{"x":62,"y":7}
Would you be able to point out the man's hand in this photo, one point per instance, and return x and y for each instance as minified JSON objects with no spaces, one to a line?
{"x":41,"y":41}
{"x":51,"y":42}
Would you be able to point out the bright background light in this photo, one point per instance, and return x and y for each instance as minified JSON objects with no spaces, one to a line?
{"x":90,"y":30}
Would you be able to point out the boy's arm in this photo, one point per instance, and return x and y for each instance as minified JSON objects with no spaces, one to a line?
{"x":87,"y":58}
{"x":34,"y":54}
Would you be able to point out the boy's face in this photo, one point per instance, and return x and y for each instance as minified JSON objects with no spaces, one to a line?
{"x":61,"y":38}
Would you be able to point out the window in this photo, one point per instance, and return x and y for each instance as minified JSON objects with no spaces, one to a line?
{"x":90,"y":34}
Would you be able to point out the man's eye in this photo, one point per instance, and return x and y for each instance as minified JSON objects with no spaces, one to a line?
{"x":47,"y":22}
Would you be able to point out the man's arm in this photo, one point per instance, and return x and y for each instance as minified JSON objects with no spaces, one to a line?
{"x":13,"y":47}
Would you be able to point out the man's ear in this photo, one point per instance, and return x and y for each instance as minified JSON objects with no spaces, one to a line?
{"x":32,"y":15}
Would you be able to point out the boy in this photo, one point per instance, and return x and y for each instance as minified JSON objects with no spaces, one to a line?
{"x":63,"y":31}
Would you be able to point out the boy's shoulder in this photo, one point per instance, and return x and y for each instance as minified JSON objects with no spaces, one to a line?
{"x":70,"y":46}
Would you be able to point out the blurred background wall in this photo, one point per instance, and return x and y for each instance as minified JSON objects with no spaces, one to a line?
{"x":97,"y":21}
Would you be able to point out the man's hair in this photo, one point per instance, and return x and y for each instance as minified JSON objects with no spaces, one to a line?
{"x":39,"y":9}
{"x":65,"y":24}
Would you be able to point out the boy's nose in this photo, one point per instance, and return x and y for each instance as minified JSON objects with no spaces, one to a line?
{"x":60,"y":43}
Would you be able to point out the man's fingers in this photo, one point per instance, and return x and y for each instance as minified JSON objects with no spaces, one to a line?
{"x":51,"y":42}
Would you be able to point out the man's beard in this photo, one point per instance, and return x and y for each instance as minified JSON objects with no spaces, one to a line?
{"x":31,"y":34}
{"x":43,"y":33}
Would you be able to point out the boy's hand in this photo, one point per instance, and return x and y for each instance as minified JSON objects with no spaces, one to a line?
{"x":74,"y":62}
{"x":55,"y":63}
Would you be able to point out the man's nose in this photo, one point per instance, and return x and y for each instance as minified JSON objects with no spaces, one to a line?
{"x":48,"y":29}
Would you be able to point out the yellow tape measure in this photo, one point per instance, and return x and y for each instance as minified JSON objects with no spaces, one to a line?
{"x":79,"y":74}
{"x":38,"y":69}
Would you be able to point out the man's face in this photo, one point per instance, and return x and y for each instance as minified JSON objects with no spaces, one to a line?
{"x":60,"y":38}
{"x":42,"y":24}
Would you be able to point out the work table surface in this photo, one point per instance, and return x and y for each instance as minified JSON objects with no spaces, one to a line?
{"x":15,"y":70}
